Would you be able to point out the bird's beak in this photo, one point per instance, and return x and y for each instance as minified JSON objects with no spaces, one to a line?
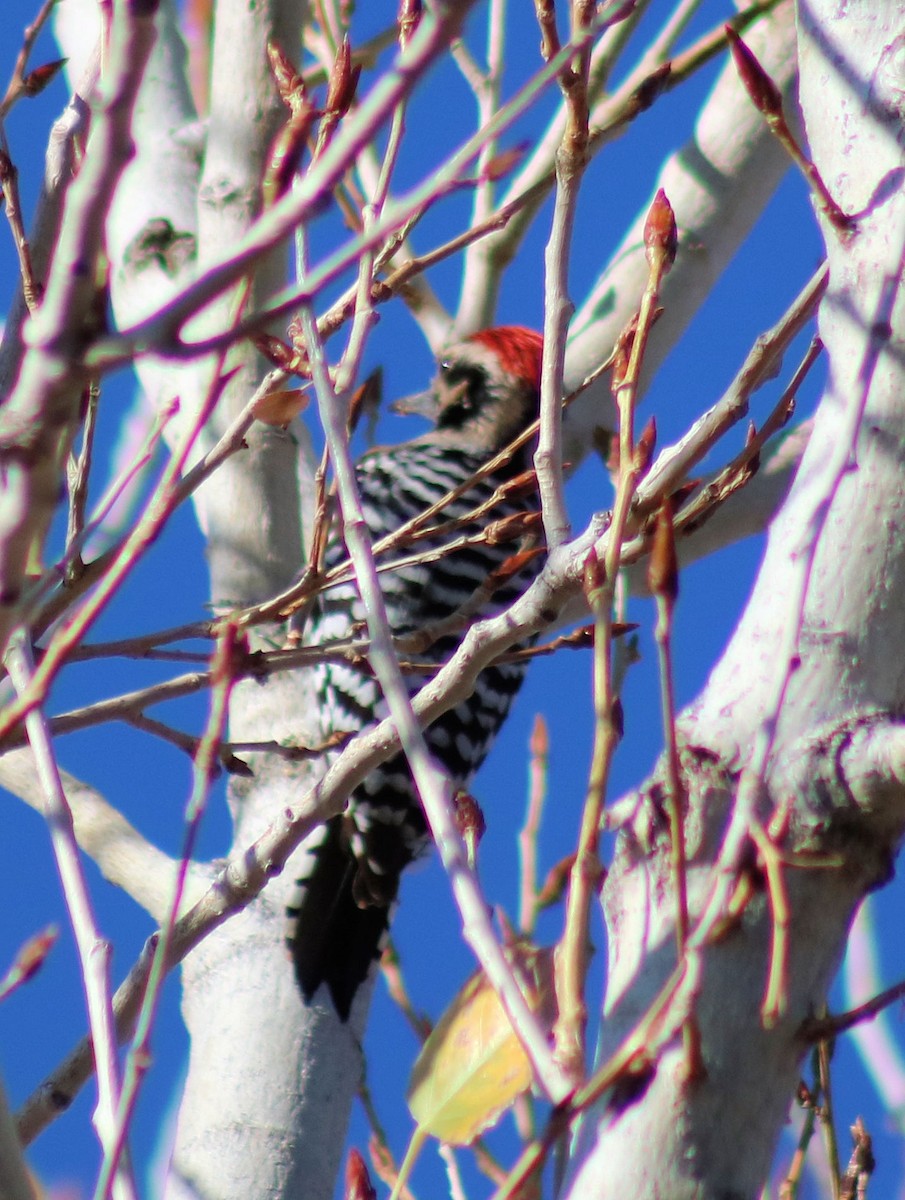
{"x":419,"y":404}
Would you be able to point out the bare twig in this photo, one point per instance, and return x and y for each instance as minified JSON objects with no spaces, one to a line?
{"x":527,"y":841}
{"x":94,"y":951}
{"x":391,"y":968}
{"x":138,"y":1058}
{"x":453,"y":1174}
{"x":788,"y":1189}
{"x":742,"y":469}
{"x":15,"y":1182}
{"x":571,"y":159}
{"x":58,"y":1090}
{"x":663,"y":576}
{"x":77,"y":480}
{"x":21,"y":85}
{"x":477,"y":292}
{"x":860,"y":1166}
{"x":17,"y":87}
{"x":600,"y":587}
{"x":767,"y":99}
{"x":831,"y":1025}
{"x":12,"y":205}
{"x":827,"y":1125}
{"x":584,"y":876}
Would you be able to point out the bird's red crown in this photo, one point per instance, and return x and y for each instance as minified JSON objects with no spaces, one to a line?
{"x":518,"y":349}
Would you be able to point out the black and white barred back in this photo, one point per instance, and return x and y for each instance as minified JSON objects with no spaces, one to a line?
{"x":486,"y":393}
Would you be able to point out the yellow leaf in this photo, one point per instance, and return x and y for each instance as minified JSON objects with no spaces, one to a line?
{"x":472,"y":1066}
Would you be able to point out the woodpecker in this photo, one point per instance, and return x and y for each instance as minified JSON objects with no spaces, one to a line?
{"x":486,"y":392}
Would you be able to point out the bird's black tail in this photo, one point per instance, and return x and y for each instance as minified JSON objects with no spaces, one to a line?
{"x":333,"y":940}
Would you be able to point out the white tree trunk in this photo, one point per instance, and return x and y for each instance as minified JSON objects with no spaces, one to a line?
{"x":800,"y":712}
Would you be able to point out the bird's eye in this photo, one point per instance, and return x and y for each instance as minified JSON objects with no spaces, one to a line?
{"x":463,"y":387}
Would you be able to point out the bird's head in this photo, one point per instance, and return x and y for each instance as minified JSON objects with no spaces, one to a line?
{"x":487,"y":389}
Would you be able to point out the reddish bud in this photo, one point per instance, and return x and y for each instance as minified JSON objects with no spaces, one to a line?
{"x":522,"y":485}
{"x":296,"y":334}
{"x":343,"y":81}
{"x":644,"y":448}
{"x":31,"y":957}
{"x":803,"y":1095}
{"x":511,"y":528}
{"x":554,"y":886}
{"x":276,"y":351}
{"x":511,"y":566}
{"x":285,"y":157}
{"x":408,"y":19}
{"x":358,"y":1179}
{"x":621,"y":356}
{"x":622,"y":353}
{"x":290,"y":84}
{"x":751,"y":439}
{"x":340,"y":94}
{"x":545,"y":11}
{"x":539,"y":744}
{"x":661,"y":238}
{"x":681,"y":494}
{"x":593,"y":576}
{"x":617,"y":717}
{"x":663,"y":568}
{"x":764,"y":93}
{"x":579,"y":639}
{"x":366,"y":397}
{"x":650,"y":89}
{"x":233,"y":765}
{"x":504,"y":162}
{"x":384,"y":1163}
{"x":29,"y":960}
{"x":37,"y":80}
{"x":470,"y":822}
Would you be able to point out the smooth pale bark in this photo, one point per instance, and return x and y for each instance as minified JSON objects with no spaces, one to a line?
{"x":831,"y":749}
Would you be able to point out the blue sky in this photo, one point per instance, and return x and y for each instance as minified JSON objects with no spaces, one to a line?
{"x":41,"y":1022}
